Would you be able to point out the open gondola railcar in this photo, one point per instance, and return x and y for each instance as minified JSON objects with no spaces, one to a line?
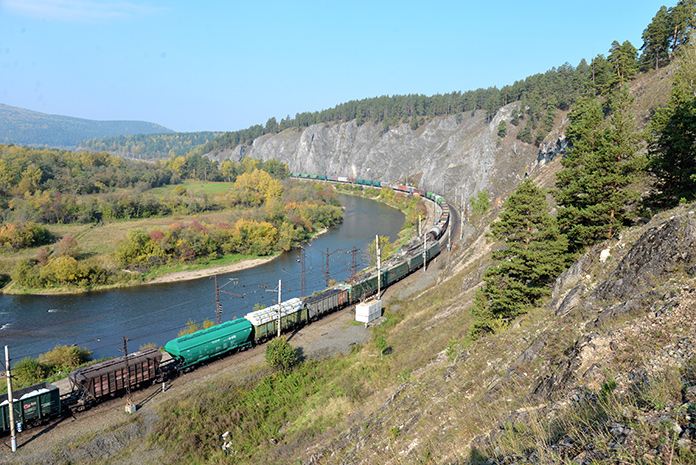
{"x":32,"y":406}
{"x":110,"y":377}
{"x":264,"y":321}
{"x":326,"y":301}
{"x":191,"y":349}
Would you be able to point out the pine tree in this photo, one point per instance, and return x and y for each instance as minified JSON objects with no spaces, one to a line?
{"x":672,"y":155}
{"x":656,"y":40}
{"x":592,"y":190}
{"x":531,"y":258}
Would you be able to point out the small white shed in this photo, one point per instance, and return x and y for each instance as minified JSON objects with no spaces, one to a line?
{"x":368,"y":311}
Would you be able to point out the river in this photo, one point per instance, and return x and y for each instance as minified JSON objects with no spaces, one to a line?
{"x":31,"y":325}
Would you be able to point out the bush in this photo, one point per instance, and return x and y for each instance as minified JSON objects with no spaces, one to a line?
{"x":280,"y":354}
{"x":64,"y":357}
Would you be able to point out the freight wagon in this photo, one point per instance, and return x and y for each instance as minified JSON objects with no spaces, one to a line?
{"x":265,"y":321}
{"x":205,"y":344}
{"x":32,"y":406}
{"x":110,"y":377}
{"x":326,"y":301}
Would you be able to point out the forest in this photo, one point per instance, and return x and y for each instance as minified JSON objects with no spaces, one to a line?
{"x":257,"y":211}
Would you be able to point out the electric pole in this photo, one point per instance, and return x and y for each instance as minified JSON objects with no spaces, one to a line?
{"x":218,"y":289}
{"x":379,"y":273}
{"x":328,"y":275}
{"x":463,"y":213}
{"x":425,"y":257}
{"x":280,"y":282}
{"x":218,"y":307}
{"x":13,"y":432}
{"x":303,"y":277}
{"x":126,"y":378}
{"x":354,"y":262}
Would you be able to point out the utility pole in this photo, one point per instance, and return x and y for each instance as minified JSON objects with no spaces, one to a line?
{"x":463,"y":213}
{"x":328,"y":275}
{"x":354,"y":262}
{"x":126,"y":378}
{"x":218,"y":307}
{"x":280,"y":283}
{"x":419,"y":225}
{"x":425,"y":257}
{"x":218,"y":289}
{"x":303,"y":277}
{"x":379,"y":272}
{"x":13,"y":432}
{"x":449,"y":238}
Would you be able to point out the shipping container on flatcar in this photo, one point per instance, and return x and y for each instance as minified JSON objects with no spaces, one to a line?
{"x":107,"y":378}
{"x":419,"y":192}
{"x":190,"y":349}
{"x":32,"y":406}
{"x":326,"y":301}
{"x":264,"y":321}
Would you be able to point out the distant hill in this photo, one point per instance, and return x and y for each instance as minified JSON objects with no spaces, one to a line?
{"x":26,"y":127}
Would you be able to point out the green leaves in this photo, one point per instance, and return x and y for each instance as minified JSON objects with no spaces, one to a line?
{"x":532,"y":256}
{"x":593,"y":189}
{"x":280,"y":354}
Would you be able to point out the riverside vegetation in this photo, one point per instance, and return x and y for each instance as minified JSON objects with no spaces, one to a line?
{"x":63,"y":209}
{"x":516,"y":364}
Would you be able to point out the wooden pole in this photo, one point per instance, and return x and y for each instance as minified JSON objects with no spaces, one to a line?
{"x":13,"y":432}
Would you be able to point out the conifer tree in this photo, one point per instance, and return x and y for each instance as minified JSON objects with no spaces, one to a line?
{"x":525,"y":267}
{"x":672,"y":155}
{"x":592,"y":190}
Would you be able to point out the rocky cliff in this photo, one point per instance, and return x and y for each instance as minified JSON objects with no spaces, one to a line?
{"x":460,"y":154}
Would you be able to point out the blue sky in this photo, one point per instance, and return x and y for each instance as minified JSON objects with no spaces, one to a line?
{"x":226,"y":65}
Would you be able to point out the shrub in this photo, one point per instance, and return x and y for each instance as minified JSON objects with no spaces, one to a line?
{"x":64,"y":357}
{"x":280,"y":354}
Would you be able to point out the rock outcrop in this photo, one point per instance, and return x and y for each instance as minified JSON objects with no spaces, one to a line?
{"x":458,"y":155}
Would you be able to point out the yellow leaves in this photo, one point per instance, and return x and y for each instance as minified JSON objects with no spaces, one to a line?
{"x":259,"y":185}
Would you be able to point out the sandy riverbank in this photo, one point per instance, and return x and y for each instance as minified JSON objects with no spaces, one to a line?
{"x":202,"y":273}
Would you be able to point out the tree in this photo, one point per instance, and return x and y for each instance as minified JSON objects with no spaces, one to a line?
{"x":532,"y":256}
{"x":623,"y":57}
{"x":672,"y":149}
{"x":280,"y":354}
{"x":502,"y":129}
{"x":67,"y":246}
{"x":592,"y":189}
{"x":385,"y":250}
{"x":656,"y":40}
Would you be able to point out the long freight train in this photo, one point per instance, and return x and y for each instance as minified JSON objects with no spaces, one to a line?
{"x":110,"y":378}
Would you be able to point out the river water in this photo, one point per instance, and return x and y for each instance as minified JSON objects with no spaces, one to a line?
{"x":31,"y":325}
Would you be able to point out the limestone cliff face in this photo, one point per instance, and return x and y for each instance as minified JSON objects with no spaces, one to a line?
{"x":461,"y":153}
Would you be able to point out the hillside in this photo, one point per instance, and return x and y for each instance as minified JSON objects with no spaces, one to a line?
{"x":25,"y":127}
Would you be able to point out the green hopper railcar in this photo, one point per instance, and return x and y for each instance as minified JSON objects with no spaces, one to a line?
{"x":32,"y":406}
{"x":205,"y":344}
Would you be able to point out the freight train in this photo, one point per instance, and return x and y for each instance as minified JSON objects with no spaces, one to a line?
{"x":104,"y":380}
